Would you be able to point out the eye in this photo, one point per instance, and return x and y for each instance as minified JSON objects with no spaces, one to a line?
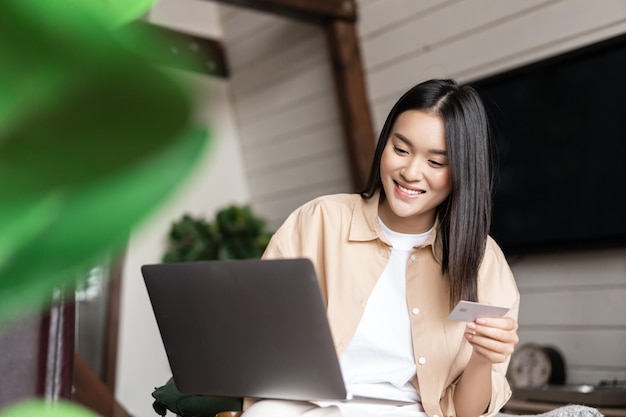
{"x":437,"y":164}
{"x":400,"y":151}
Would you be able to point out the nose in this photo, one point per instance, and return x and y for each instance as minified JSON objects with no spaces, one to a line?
{"x":413,"y":170}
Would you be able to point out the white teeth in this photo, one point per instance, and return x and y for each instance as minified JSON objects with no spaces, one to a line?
{"x":408,"y":191}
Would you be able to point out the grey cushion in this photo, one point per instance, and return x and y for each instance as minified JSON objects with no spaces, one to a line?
{"x":565,"y":411}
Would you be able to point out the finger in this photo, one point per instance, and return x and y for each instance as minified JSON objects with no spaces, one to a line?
{"x":503,"y":336}
{"x":490,"y":355}
{"x":504,"y":323}
{"x":501,"y":349}
{"x":504,"y":330}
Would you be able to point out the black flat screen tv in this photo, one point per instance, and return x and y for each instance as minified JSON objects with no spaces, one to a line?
{"x":559,"y":129}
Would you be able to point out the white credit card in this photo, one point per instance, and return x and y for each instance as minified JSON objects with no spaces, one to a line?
{"x":470,"y":311}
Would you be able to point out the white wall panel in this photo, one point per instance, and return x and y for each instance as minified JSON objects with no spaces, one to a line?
{"x":227,"y":12}
{"x":300,"y":173}
{"x":261,"y":43}
{"x":294,"y":89}
{"x":427,"y":32}
{"x":287,"y":112}
{"x":242,"y":23}
{"x":190,"y":16}
{"x":594,"y":306}
{"x":528,"y":33}
{"x":287,"y":149}
{"x":286,"y":61}
{"x":288,"y":122}
{"x":378,"y":16}
{"x":571,"y":269}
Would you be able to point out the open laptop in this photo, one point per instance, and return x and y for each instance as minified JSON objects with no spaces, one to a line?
{"x":245,"y":328}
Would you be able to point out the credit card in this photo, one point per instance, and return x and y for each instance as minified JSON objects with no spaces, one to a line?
{"x":470,"y":311}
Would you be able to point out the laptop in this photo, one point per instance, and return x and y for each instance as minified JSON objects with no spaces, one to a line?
{"x":245,"y":328}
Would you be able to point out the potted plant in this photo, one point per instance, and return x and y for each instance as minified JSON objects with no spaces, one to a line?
{"x":236,"y":233}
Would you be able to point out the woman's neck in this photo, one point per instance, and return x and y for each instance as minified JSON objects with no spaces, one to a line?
{"x":421,"y":223}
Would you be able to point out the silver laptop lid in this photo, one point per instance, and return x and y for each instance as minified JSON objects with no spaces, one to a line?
{"x":245,"y":328}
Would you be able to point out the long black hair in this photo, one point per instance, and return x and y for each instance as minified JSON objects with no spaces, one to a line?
{"x":465,"y":216}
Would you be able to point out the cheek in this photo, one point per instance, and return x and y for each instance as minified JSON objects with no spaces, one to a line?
{"x":443,"y":182}
{"x":386,"y":161}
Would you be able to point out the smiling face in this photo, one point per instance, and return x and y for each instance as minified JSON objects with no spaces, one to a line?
{"x":414,"y":172}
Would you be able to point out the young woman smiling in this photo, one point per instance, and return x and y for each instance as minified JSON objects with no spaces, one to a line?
{"x":393,"y":260}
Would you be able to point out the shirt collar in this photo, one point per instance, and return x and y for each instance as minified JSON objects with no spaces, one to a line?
{"x":364,"y":226}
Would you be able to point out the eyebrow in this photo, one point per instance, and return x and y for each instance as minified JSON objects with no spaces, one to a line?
{"x":406,"y":140}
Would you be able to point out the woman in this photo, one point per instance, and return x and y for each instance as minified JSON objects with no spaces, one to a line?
{"x":393,"y":261}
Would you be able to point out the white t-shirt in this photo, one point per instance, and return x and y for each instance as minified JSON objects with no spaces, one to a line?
{"x":378,"y":361}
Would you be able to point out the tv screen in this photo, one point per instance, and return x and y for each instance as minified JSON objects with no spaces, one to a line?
{"x":559,"y":129}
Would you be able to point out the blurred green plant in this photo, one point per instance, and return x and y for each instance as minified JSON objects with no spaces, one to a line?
{"x":236,"y":233}
{"x":41,"y":408}
{"x":92,"y":139}
{"x":115,"y":13}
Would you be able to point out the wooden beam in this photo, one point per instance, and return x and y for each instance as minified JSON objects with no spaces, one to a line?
{"x":311,"y":11}
{"x":94,"y":394}
{"x":177,"y":49}
{"x":343,"y":44}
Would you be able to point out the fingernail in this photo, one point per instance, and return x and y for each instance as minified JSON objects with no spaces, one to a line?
{"x":481,"y":321}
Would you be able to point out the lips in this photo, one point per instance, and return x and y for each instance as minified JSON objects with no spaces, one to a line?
{"x":409,"y":191}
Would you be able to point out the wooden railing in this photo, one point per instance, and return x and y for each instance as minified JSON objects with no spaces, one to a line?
{"x":91,"y":392}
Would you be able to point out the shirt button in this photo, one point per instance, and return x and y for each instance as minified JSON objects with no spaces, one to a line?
{"x":415,"y":310}
{"x":422,"y":361}
{"x":412,"y":258}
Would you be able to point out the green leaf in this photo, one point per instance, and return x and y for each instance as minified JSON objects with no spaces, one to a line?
{"x":236,"y":233}
{"x":92,"y":220}
{"x":42,"y":408}
{"x":75,"y":103}
{"x":92,"y":140}
{"x":115,"y":12}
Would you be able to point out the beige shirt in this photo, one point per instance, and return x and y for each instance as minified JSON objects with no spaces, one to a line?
{"x":341,"y":235}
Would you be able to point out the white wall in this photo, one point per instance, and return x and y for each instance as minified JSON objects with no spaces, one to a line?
{"x":217,"y":182}
{"x":575,"y":302}
{"x":287,"y":113}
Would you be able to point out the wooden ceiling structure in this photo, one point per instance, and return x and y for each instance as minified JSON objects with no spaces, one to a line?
{"x":338,"y":19}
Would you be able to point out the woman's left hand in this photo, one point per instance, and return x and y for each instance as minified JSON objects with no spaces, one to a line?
{"x":493,"y":339}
